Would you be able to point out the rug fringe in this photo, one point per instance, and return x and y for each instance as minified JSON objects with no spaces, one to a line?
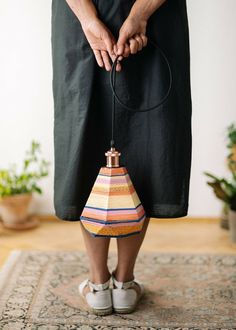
{"x":8,"y":265}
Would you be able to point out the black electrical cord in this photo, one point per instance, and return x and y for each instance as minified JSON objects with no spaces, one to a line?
{"x":113,"y":77}
{"x":116,"y":97}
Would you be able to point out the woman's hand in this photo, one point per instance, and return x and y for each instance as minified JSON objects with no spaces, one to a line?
{"x":132,"y":37}
{"x":133,"y":30}
{"x":102,"y":42}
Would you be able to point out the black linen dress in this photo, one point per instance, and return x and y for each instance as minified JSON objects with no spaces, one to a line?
{"x":156,"y":145}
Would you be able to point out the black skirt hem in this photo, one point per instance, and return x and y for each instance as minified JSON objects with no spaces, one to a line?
{"x":70,"y":214}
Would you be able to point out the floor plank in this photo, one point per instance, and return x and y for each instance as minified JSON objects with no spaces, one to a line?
{"x":177,"y":235}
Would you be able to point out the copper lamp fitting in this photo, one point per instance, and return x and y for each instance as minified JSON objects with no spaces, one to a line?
{"x":112,"y":157}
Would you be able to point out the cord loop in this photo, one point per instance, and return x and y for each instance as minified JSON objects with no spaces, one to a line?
{"x":116,"y":97}
{"x":113,"y":77}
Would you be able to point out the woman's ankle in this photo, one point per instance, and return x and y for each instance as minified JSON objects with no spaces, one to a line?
{"x":99,"y":277}
{"x":122,"y":276}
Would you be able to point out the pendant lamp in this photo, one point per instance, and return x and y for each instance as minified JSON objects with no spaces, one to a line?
{"x":113,"y":208}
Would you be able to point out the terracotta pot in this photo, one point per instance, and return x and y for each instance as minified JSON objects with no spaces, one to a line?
{"x":232,"y":225}
{"x":14,"y":211}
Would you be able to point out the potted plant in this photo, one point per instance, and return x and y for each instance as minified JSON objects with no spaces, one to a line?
{"x":231,"y":158}
{"x":224,"y":216}
{"x":225,"y":190}
{"x":16,"y":189}
{"x":231,"y":165}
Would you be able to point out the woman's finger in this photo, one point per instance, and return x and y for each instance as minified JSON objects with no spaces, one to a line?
{"x":118,"y":66}
{"x":139,"y":40}
{"x":126,"y":51}
{"x":109,"y":43}
{"x":121,"y":42}
{"x":112,"y":50}
{"x":113,"y":57}
{"x":106,"y":60}
{"x":133,"y":45}
{"x":98,"y":57}
{"x":144,"y":39}
{"x":115,"y":49}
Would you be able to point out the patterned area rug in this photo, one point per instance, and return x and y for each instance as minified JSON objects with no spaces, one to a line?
{"x":38,"y":290}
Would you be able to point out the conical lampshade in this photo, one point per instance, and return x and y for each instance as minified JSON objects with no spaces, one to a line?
{"x":113,"y":208}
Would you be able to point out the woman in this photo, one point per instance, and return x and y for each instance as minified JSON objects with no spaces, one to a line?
{"x":87,"y":35}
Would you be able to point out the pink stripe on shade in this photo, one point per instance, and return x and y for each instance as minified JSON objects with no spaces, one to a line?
{"x":101,"y":225}
{"x":112,"y":180}
{"x":96,"y":211}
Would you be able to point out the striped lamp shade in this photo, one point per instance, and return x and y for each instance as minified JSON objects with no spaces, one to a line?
{"x":113,"y":208}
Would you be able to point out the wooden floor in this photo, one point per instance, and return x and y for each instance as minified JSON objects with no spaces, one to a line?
{"x":177,"y":235}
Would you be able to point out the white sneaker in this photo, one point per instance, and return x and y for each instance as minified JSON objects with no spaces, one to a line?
{"x":124,"y":296}
{"x":99,"y":298}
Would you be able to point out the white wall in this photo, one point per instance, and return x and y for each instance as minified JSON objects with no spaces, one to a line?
{"x":25,"y":87}
{"x":26,"y":94}
{"x":213,"y":69}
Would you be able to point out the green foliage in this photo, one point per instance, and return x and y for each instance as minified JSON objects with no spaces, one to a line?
{"x":231,"y":130}
{"x":12,"y":183}
{"x":225,"y":189}
{"x":231,"y":157}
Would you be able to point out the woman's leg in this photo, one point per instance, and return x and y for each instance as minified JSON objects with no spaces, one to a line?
{"x":97,"y":249}
{"x":128,"y":248}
